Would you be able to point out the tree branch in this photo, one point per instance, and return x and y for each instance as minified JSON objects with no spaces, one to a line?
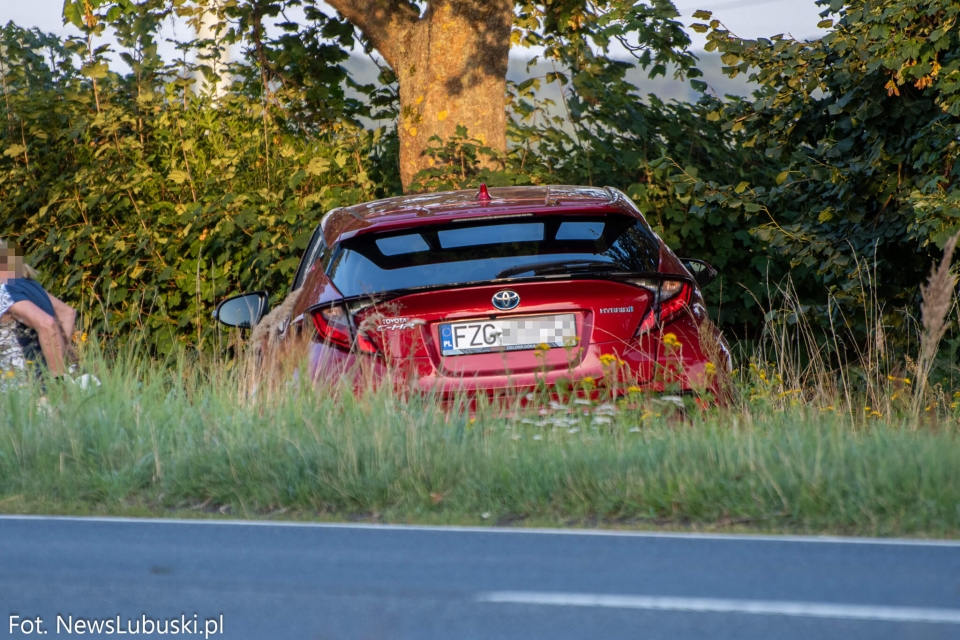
{"x":383,"y":22}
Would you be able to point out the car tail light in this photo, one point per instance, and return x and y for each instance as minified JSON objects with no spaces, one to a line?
{"x":674,"y":299}
{"x":333,"y":327}
{"x":366,"y":345}
{"x":670,"y":299}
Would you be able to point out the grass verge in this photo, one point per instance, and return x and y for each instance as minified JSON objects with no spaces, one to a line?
{"x":181,"y":440}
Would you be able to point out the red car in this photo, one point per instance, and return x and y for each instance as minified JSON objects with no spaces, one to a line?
{"x":501,"y":290}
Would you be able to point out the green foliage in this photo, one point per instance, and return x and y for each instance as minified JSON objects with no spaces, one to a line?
{"x":144,"y":204}
{"x":146,"y":196}
{"x":862,"y":125}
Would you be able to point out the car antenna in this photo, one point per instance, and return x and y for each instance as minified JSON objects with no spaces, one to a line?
{"x":484,"y":195}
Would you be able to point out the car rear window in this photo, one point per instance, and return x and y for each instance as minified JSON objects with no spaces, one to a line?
{"x":469,"y":252}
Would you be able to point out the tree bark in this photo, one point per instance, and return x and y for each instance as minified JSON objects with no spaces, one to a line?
{"x":451,"y":64}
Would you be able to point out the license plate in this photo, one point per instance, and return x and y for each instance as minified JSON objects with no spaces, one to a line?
{"x":508,"y":334}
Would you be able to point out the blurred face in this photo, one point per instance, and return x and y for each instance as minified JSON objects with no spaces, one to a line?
{"x":11,"y":263}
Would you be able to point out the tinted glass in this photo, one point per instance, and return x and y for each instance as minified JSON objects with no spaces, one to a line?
{"x":312,"y":254}
{"x":580,"y":231}
{"x":474,"y":236}
{"x":396,"y":245}
{"x":465,"y":253}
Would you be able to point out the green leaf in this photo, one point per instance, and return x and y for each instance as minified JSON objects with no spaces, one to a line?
{"x":730,"y":59}
{"x":294,"y":181}
{"x":73,"y":13}
{"x":741,"y":187}
{"x":556,"y":76}
{"x":318,"y":166}
{"x":825,"y":24}
{"x":95,"y":70}
{"x":751,"y":207}
{"x":14,"y":150}
{"x":702,"y":15}
{"x":178,"y":176}
{"x":782,"y":177}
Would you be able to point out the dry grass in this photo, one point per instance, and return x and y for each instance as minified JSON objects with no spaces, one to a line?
{"x":938,"y":296}
{"x":866,"y":380}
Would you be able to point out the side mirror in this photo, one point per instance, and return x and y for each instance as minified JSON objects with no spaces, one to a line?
{"x":243,"y":311}
{"x":701,"y":271}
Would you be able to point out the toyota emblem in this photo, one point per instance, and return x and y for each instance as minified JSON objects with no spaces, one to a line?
{"x":506,"y":300}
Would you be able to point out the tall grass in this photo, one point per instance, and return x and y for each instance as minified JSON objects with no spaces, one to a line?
{"x":183,"y":438}
{"x":842,"y":373}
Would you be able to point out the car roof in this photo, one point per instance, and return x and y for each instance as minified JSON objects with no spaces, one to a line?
{"x":432,"y":208}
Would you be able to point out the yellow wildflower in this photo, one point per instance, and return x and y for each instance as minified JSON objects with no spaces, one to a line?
{"x":670,"y":341}
{"x":710,"y":369}
{"x":543,"y":346}
{"x":634,"y":389}
{"x":608,"y":359}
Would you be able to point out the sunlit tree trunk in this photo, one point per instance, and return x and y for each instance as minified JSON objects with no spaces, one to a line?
{"x":451,"y":64}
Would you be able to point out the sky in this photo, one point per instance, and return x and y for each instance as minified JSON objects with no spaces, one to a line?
{"x":745,"y":18}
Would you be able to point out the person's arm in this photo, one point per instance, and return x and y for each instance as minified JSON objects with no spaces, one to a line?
{"x":66,"y":316}
{"x":51,"y":340}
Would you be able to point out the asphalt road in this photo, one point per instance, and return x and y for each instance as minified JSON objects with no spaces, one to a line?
{"x":271,"y":581}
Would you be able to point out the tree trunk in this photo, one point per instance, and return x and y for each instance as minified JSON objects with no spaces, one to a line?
{"x":451,"y":64}
{"x":452,"y":69}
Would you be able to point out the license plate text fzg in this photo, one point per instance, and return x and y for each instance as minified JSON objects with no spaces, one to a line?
{"x":508,"y":334}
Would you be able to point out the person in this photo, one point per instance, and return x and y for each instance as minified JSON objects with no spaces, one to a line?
{"x":34,"y":325}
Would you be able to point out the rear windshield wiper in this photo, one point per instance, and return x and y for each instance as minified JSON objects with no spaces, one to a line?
{"x":562,"y":266}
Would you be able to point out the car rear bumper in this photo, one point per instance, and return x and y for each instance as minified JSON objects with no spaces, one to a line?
{"x":612,"y":368}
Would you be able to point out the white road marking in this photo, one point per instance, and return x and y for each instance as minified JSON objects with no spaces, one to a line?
{"x":712,"y":605}
{"x":670,"y":535}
